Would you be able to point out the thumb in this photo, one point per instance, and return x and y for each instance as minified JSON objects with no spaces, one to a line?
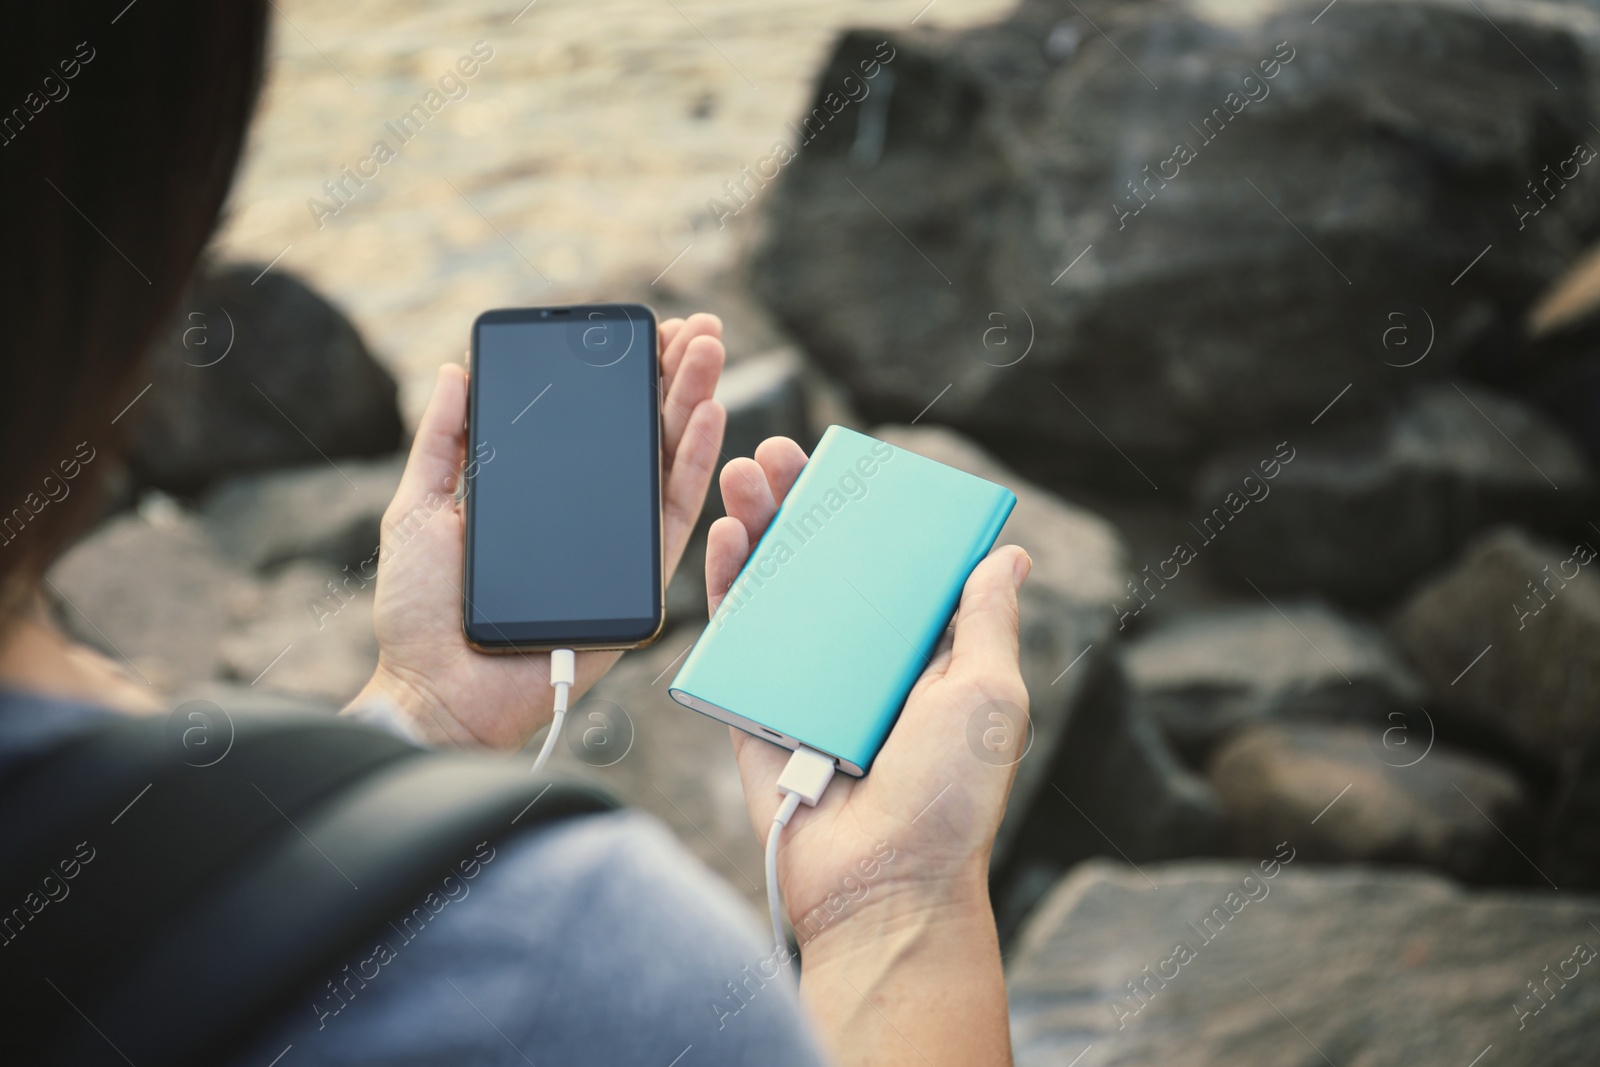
{"x":441,"y":440}
{"x":984,"y":650}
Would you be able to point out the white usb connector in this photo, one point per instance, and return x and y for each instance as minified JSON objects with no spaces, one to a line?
{"x":804,"y":779}
{"x":563,"y":671}
{"x":807,"y":775}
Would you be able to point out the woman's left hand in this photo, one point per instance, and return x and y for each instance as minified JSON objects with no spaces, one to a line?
{"x":450,"y":694}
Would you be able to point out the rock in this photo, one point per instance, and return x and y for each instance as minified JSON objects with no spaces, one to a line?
{"x":1344,"y":966}
{"x":150,"y":589}
{"x":310,"y":635}
{"x":765,"y":397}
{"x":718,"y":284}
{"x":1079,"y":564}
{"x":1569,"y":389}
{"x":259,"y":372}
{"x":1206,"y":673}
{"x":657,"y":755}
{"x":1507,"y":638}
{"x":1020,"y":182}
{"x":1556,"y":362}
{"x":1114,"y":788}
{"x":315,"y":512}
{"x":1343,"y":796}
{"x":1572,"y":848}
{"x":1360,"y":513}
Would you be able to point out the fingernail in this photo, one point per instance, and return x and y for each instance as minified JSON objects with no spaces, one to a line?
{"x":1023,"y":565}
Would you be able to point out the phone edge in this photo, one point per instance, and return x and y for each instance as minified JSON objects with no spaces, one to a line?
{"x":661,"y":494}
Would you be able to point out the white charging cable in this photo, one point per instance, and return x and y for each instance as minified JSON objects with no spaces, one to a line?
{"x":563,"y":669}
{"x":804,"y":779}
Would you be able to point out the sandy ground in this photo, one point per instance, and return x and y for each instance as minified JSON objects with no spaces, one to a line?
{"x":578,"y":158}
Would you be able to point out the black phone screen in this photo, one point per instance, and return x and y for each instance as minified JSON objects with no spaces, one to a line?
{"x":562,"y":481}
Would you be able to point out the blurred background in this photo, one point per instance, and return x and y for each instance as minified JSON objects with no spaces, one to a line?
{"x":1282,"y":319}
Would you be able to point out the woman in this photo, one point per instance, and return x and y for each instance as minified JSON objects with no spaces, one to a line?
{"x":594,"y":939}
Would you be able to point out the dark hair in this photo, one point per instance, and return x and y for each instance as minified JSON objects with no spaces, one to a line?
{"x":120,"y":127}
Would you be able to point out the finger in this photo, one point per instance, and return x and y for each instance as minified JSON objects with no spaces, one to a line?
{"x":695,"y":381}
{"x":440,"y":442}
{"x":781,"y":461}
{"x":984,"y":650}
{"x":939,"y":662}
{"x":747,"y":496}
{"x":689,"y":477}
{"x":727,"y":547}
{"x":665,"y":332}
{"x":699,"y":324}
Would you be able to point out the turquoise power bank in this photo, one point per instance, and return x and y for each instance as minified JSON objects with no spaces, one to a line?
{"x":843,"y":600}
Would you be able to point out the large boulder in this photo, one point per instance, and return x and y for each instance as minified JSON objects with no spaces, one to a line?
{"x":315,"y":512}
{"x":1067,"y":629}
{"x":149,"y":588}
{"x":1345,"y":796}
{"x":1361,"y":512}
{"x":1115,"y":789}
{"x":1204,"y":674}
{"x":309,"y":634}
{"x":1190,"y":223}
{"x":1507,"y":640}
{"x":1192,"y":965}
{"x":1572,"y":845}
{"x":1558,"y":366}
{"x":257,"y":372}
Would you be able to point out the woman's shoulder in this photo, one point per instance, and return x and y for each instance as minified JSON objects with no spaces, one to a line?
{"x":32,"y":724}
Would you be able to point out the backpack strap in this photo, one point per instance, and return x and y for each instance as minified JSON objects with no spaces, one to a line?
{"x":157,"y":911}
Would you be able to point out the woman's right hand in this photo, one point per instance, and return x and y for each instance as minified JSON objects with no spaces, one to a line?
{"x":921,"y":938}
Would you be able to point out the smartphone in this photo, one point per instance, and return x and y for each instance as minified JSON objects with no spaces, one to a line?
{"x":562,"y":486}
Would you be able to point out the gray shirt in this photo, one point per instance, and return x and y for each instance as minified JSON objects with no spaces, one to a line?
{"x":594,"y":941}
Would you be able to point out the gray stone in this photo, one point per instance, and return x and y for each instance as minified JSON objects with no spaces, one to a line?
{"x":1309,"y":967}
{"x":317,"y":512}
{"x":1358,"y":514}
{"x":1572,"y":846}
{"x":258,"y":372}
{"x":1206,"y":673}
{"x":1507,"y":640}
{"x":1346,"y":797}
{"x":990,"y":182}
{"x":310,"y":635}
{"x":1079,"y":564}
{"x":150,"y":589}
{"x":1114,"y":788}
{"x":765,"y":397}
{"x":1567,"y":386}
